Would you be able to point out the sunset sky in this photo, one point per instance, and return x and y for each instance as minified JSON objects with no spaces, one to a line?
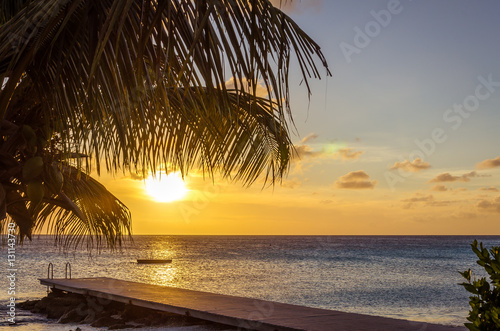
{"x":403,"y":139}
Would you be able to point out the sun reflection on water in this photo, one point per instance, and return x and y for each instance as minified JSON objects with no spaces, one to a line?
{"x":160,"y":274}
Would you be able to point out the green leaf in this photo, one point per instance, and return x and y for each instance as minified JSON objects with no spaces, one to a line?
{"x":35,"y":193}
{"x":136,"y":85}
{"x":17,"y":210}
{"x":32,"y":168}
{"x":466,"y":274}
{"x":470,"y":288}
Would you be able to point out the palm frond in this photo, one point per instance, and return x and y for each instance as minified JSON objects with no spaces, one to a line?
{"x":135,"y":85}
{"x":10,"y":8}
{"x":84,"y":212}
{"x":102,"y":57}
{"x":241,"y":140}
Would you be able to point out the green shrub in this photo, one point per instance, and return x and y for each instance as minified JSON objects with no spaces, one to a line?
{"x":485,"y":302}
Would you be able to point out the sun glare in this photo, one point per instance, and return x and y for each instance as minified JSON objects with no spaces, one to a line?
{"x":166,"y":188}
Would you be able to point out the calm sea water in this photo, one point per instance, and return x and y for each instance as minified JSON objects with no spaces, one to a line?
{"x":410,"y":277}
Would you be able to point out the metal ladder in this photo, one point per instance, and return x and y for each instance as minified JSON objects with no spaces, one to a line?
{"x":50,"y":272}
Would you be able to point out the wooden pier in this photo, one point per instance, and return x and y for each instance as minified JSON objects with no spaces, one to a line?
{"x":244,"y":313}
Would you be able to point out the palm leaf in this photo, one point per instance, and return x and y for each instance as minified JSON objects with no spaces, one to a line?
{"x":101,"y":57}
{"x":137,"y":85}
{"x":85,"y":212}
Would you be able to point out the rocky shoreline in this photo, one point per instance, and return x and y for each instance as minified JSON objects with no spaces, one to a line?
{"x":75,"y":308}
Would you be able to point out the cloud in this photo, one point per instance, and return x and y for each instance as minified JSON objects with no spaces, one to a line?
{"x":261,"y":90}
{"x":489,"y":163}
{"x":418,"y":198}
{"x":290,"y":6}
{"x":306,"y":151}
{"x":348,"y":154}
{"x":442,"y":203}
{"x":439,"y":188}
{"x":291,"y":183}
{"x":491,"y":189}
{"x":136,"y":176}
{"x":415,"y":166}
{"x":305,"y":154}
{"x":463,"y":215}
{"x":427,"y":200}
{"x":355,"y":180}
{"x":489,"y":205}
{"x":309,"y":137}
{"x":303,"y":157}
{"x":448,"y":178}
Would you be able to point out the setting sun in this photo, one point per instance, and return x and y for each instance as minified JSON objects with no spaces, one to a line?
{"x":166,"y":188}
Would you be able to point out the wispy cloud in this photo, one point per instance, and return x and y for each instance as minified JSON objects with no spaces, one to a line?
{"x":420,"y":198}
{"x":297,"y":6}
{"x":291,"y":183}
{"x":309,"y":137}
{"x":448,"y":178}
{"x":444,"y":188}
{"x":439,"y":188}
{"x":426,"y":200}
{"x":260,"y":90}
{"x":490,"y":189}
{"x":346,"y":154}
{"x":304,"y":155}
{"x":306,"y":151}
{"x":489,"y":205}
{"x":489,"y":163}
{"x":136,"y":176}
{"x":417,"y":199}
{"x":355,"y":180}
{"x":411,"y":166}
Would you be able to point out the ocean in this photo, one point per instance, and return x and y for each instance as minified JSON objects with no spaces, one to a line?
{"x":409,"y":277}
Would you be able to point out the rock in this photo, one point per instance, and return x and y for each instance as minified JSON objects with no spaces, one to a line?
{"x":88,"y":319}
{"x":41,"y":305}
{"x":91,"y":316}
{"x":56,"y":311}
{"x":72,"y":316}
{"x":68,"y":301}
{"x":131,"y":312}
{"x":105,"y":321}
{"x":56,"y":304}
{"x":160,"y":318}
{"x":99,"y":305}
{"x":102,"y":313}
{"x":54,"y":293}
{"x":120,"y":326}
{"x":114,"y":305}
{"x":28,"y":305}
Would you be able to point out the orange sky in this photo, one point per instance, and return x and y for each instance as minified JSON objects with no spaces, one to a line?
{"x":308,"y":205}
{"x":403,"y":139}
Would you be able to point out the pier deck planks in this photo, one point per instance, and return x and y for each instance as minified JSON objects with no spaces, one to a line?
{"x":231,"y":310}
